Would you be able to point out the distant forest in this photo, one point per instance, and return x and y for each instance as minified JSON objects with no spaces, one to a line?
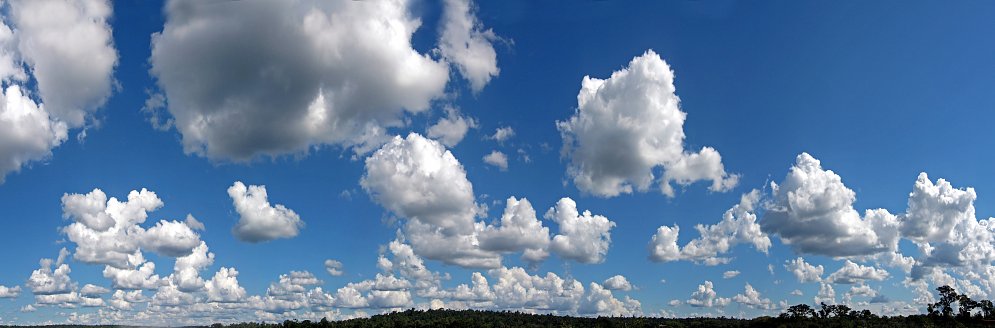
{"x":951,"y":310}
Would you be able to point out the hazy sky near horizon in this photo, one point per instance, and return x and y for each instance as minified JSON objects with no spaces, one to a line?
{"x":188,"y":162}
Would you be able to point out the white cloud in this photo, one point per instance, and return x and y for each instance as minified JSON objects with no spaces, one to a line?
{"x":583,"y":237}
{"x":106,"y":231}
{"x":738,"y":226}
{"x":142,"y":276}
{"x":502,"y":134}
{"x":751,"y":297}
{"x":186,"y":270}
{"x":258,"y":220}
{"x":498,"y":159}
{"x":170,"y":238}
{"x":852,"y":273}
{"x":730,"y":274}
{"x":90,"y":290}
{"x":826,"y":294}
{"x":10,"y":292}
{"x":617,"y":282}
{"x":224,"y":287}
{"x":514,"y":288}
{"x":49,"y":281}
{"x":451,"y":129}
{"x":27,"y":133}
{"x":600,"y":301}
{"x":307,"y":75}
{"x":629,"y":124}
{"x":518,"y":231}
{"x":705,"y":297}
{"x":804,"y":271}
{"x":812,"y":211}
{"x":465,"y":43}
{"x":333,"y":267}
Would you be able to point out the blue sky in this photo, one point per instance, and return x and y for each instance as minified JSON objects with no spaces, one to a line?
{"x":876,"y":93}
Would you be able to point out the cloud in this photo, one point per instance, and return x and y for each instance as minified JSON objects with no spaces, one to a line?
{"x":738,"y":226}
{"x":600,"y":301}
{"x":258,"y":220}
{"x":170,"y":238}
{"x":63,"y":48}
{"x":105,"y":230}
{"x":465,"y":43}
{"x":804,"y":271}
{"x":498,"y":159}
{"x":451,"y":129}
{"x":52,"y":278}
{"x":751,"y":298}
{"x":519,"y":230}
{"x":10,"y":292}
{"x":90,"y":290}
{"x":852,"y":273}
{"x":629,"y":124}
{"x":812,"y":211}
{"x":705,"y":297}
{"x":582,"y":237}
{"x":502,"y":134}
{"x":307,"y":75}
{"x":514,"y":288}
{"x":617,"y":282}
{"x":333,"y":267}
{"x":730,"y":274}
{"x":224,"y":287}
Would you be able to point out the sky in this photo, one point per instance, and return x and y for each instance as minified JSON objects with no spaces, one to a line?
{"x":191,"y":162}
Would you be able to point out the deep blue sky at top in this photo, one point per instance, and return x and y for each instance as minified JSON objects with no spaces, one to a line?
{"x":879,"y":91}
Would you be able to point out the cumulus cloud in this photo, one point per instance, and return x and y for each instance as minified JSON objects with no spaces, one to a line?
{"x":812,"y":211}
{"x":738,"y":226}
{"x":600,"y":301}
{"x":258,"y":220}
{"x":852,"y":273}
{"x":804,"y":271}
{"x":583,"y":237}
{"x":170,"y":238}
{"x":519,"y":230}
{"x":451,"y":129}
{"x":628,"y":125}
{"x":307,"y":75}
{"x":497,"y":159}
{"x":617,"y":282}
{"x":105,"y":230}
{"x":224,"y":287}
{"x":333,"y":267}
{"x":66,"y":49}
{"x":751,"y":297}
{"x":730,"y":274}
{"x":705,"y":297}
{"x":52,"y":277}
{"x":502,"y":134}
{"x":467,"y":44}
{"x":10,"y":292}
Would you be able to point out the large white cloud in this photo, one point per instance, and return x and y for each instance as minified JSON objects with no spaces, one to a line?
{"x":258,"y":220}
{"x":812,"y":211}
{"x":583,"y":237}
{"x":628,"y":125}
{"x":852,"y":273}
{"x":738,"y":226}
{"x":272,"y":78}
{"x":10,"y":292}
{"x":66,"y":49}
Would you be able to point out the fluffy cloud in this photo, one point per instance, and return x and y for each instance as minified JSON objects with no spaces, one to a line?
{"x":90,"y":290}
{"x":617,"y":282}
{"x":629,"y":124}
{"x":170,"y":238}
{"x":813,"y":212}
{"x":502,"y":134}
{"x":518,"y":231}
{"x":65,"y":47}
{"x":804,"y":271}
{"x":705,"y":297}
{"x":465,"y":43}
{"x":49,"y":281}
{"x":751,"y":297}
{"x":307,"y":75}
{"x":514,"y":288}
{"x":10,"y":292}
{"x":497,"y":159}
{"x":106,"y":231}
{"x":941,"y":220}
{"x":738,"y":226}
{"x":730,"y":274}
{"x":583,"y":237}
{"x":224,"y":287}
{"x":600,"y":301}
{"x":451,"y":129}
{"x":333,"y":267}
{"x":258,"y":220}
{"x":851,"y":273}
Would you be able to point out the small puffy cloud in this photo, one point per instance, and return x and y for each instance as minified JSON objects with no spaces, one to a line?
{"x":258,"y":220}
{"x":141,"y":277}
{"x":738,"y":226}
{"x":307,"y":75}
{"x":106,"y":231}
{"x":333,"y":267}
{"x":583,"y":237}
{"x":617,"y":282}
{"x":90,"y":290}
{"x":502,"y":134}
{"x":804,"y":271}
{"x":467,"y":44}
{"x":852,"y":273}
{"x":812,"y":211}
{"x":600,"y":301}
{"x":628,"y":125}
{"x":797,"y":292}
{"x":705,"y":297}
{"x":52,"y":277}
{"x":826,"y":294}
{"x":10,"y":292}
{"x":935,"y":209}
{"x":497,"y":159}
{"x":186,"y":270}
{"x":519,"y":230}
{"x":451,"y":129}
{"x":193,"y":223}
{"x":224,"y":287}
{"x":514,"y":288}
{"x":730,"y":274}
{"x":751,"y":297}
{"x":170,"y":238}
